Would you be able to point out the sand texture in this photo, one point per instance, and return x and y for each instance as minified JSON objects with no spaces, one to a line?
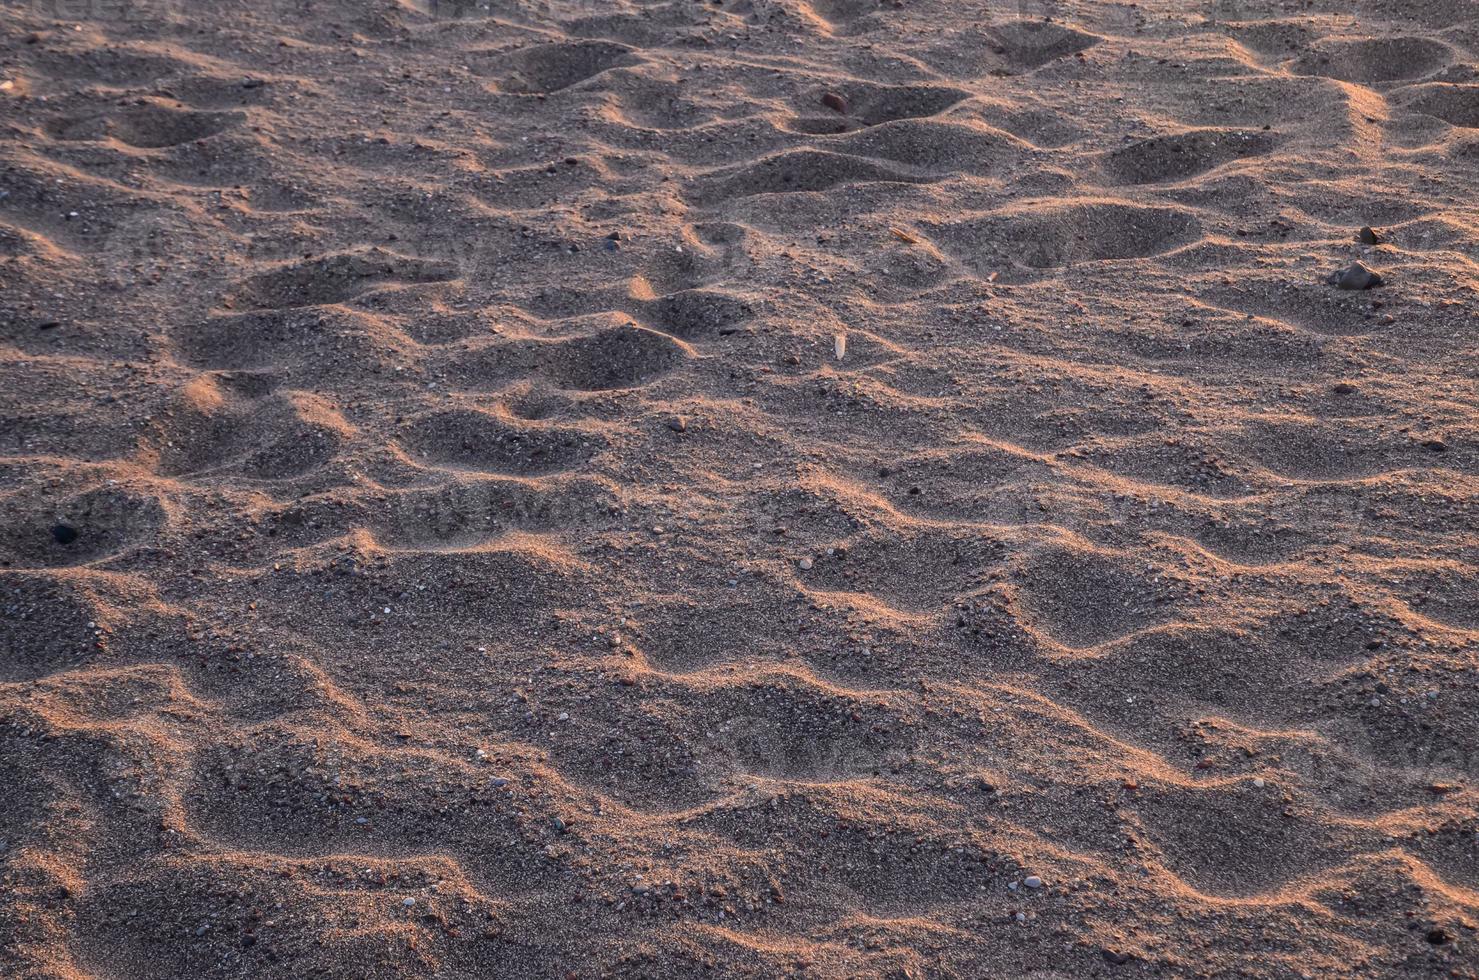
{"x":746,"y":488}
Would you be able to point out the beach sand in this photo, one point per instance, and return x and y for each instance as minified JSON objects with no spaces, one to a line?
{"x":751,"y":488}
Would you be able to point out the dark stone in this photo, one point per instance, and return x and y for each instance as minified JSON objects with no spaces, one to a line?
{"x":1357,"y":276}
{"x":1368,"y":236}
{"x":835,"y":102}
{"x":63,"y":533}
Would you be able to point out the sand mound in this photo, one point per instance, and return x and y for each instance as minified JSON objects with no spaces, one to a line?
{"x":834,"y":488}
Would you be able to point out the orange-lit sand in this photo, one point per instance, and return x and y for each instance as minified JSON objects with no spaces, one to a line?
{"x":439,"y":538}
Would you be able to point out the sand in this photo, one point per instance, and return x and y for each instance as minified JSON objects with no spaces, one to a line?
{"x":750,"y":488}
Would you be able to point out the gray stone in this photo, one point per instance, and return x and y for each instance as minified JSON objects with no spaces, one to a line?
{"x":1357,"y":276}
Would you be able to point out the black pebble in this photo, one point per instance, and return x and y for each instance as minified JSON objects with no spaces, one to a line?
{"x":1356,"y":276}
{"x":1368,"y":237}
{"x":63,"y":533}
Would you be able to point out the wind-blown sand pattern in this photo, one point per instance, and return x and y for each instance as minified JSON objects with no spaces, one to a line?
{"x":439,"y":538}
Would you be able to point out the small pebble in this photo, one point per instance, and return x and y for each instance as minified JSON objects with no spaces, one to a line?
{"x":1032,"y":881}
{"x":1344,"y":388}
{"x":408,"y":902}
{"x":835,"y":102}
{"x":1368,"y":236}
{"x":63,"y":533}
{"x":1357,"y":276}
{"x":678,"y":423}
{"x":805,"y":564}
